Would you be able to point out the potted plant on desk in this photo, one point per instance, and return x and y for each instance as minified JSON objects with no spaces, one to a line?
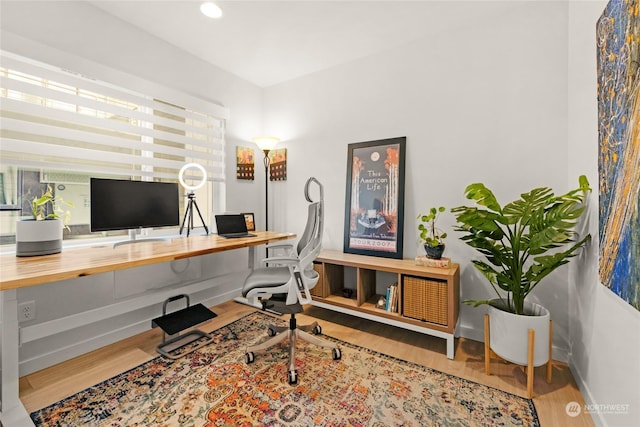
{"x":41,"y":234}
{"x":430,"y":235}
{"x":522,"y":243}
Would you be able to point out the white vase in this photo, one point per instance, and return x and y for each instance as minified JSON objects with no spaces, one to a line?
{"x":38,"y":237}
{"x":509,"y":333}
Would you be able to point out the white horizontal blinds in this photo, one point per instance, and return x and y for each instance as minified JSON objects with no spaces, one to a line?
{"x":52,"y":119}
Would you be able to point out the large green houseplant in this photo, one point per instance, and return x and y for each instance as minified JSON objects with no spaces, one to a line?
{"x":523,"y":241}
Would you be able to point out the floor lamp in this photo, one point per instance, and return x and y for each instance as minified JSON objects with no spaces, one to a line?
{"x":266,"y":144}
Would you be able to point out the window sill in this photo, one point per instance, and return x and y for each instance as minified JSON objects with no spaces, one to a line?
{"x":86,"y":241}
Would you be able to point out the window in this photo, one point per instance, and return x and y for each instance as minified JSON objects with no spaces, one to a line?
{"x":61,"y":128}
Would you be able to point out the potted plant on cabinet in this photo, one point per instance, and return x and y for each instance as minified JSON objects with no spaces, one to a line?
{"x":522,"y":243}
{"x":41,"y":234}
{"x":431,"y":236}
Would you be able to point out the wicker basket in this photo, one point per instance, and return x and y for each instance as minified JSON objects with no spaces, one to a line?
{"x":424,"y":299}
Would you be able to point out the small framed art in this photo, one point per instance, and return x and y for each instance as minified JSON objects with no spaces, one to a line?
{"x":251,"y":223}
{"x":245,"y":163}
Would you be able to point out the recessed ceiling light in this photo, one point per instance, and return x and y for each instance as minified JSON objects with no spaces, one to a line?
{"x":211,"y":10}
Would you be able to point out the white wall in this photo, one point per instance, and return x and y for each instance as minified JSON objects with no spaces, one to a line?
{"x":485,"y":101}
{"x":493,"y":101}
{"x":603,"y":328}
{"x":82,"y":38}
{"x":502,"y":102}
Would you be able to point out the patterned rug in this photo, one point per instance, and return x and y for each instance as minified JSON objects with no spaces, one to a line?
{"x":214,"y":387}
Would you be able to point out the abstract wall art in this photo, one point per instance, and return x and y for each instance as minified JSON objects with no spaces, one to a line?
{"x":618,"y":50}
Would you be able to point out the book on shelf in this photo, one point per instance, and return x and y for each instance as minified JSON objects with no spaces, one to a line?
{"x":392,"y":298}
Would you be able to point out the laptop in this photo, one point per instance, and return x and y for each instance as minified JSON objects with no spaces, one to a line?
{"x":232,"y":226}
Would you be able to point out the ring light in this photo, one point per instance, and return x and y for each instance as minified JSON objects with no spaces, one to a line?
{"x":185,"y":168}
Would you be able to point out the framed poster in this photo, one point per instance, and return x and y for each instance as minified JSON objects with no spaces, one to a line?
{"x":374,"y":205}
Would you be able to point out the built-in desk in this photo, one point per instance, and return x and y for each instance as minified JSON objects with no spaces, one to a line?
{"x":20,"y":272}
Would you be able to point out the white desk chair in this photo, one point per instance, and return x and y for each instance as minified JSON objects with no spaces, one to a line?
{"x":284,"y":286}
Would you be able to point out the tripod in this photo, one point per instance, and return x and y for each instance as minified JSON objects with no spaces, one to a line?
{"x":189,"y":212}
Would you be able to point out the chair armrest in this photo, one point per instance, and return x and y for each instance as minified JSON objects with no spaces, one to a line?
{"x":279,"y":245}
{"x":281,"y":249}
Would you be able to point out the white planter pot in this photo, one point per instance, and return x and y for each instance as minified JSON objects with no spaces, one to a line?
{"x":509,"y":334}
{"x":38,"y":237}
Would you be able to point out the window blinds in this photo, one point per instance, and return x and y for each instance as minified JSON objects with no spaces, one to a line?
{"x":68,"y":124}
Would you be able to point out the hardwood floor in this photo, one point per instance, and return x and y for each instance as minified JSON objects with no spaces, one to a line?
{"x":42,"y":388}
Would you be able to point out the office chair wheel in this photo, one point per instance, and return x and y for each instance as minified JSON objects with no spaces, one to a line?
{"x":317,"y":330}
{"x":337,"y":354}
{"x":293,"y":377}
{"x":249,"y":357}
{"x":271,"y":332}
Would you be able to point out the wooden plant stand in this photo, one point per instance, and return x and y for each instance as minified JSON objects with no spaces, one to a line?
{"x":532,"y":335}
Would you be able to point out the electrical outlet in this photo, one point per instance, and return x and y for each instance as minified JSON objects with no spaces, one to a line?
{"x":26,"y":311}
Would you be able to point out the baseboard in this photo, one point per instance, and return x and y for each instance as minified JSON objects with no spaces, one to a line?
{"x":470,"y":333}
{"x":224,"y":292}
{"x":597,"y":417}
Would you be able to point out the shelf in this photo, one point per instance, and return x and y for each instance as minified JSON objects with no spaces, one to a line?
{"x":428,"y":298}
{"x":372,"y":309}
{"x":339,"y":300}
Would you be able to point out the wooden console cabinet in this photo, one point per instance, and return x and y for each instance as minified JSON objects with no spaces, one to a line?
{"x":427,"y":298}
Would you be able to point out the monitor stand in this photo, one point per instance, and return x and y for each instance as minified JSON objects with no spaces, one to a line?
{"x":133,"y":233}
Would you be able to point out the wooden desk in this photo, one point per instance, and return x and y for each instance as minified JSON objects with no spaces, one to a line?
{"x":20,"y":272}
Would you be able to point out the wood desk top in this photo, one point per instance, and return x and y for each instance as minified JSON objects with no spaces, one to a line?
{"x":20,"y":272}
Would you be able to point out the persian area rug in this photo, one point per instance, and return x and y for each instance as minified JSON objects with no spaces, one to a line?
{"x":213,"y":386}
